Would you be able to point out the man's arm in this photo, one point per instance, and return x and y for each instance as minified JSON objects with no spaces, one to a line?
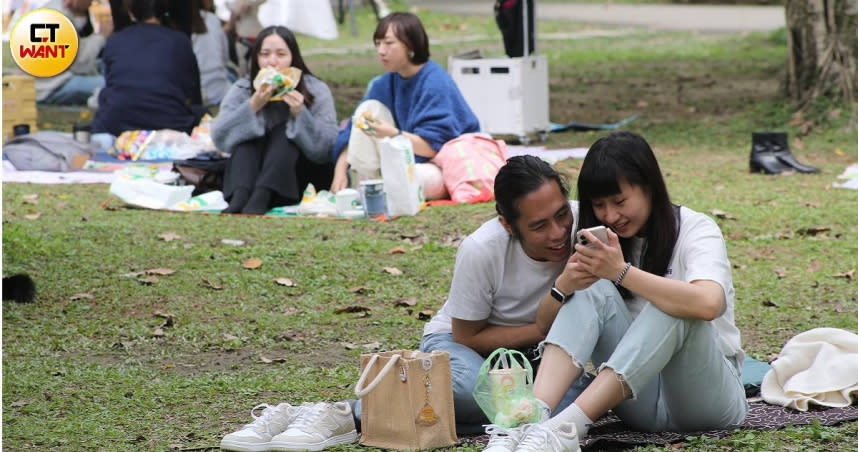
{"x":485,"y":338}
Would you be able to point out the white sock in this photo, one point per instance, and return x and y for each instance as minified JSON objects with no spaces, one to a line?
{"x":544,"y":410}
{"x":571,"y":414}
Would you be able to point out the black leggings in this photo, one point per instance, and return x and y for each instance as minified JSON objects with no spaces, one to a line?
{"x":276,"y":163}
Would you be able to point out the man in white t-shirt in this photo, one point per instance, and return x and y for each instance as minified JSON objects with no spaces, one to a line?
{"x":503,"y":270}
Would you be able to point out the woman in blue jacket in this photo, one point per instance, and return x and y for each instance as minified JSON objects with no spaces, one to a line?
{"x":415,"y":98}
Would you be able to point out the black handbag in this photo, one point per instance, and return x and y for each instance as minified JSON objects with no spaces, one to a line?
{"x":204,"y":172}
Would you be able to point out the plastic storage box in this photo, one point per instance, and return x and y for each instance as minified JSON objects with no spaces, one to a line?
{"x":508,"y":95}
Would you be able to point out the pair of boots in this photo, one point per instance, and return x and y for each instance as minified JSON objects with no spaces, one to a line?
{"x":255,"y":203}
{"x":770,"y":154}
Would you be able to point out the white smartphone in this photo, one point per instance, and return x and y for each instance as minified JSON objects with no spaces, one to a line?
{"x":600,"y":232}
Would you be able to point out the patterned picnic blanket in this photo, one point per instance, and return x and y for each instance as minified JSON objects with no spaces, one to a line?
{"x":609,"y":431}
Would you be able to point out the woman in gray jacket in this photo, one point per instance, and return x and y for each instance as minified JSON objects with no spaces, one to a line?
{"x":277,"y":146}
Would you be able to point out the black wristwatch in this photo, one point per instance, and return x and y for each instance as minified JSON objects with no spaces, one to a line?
{"x":559,"y":296}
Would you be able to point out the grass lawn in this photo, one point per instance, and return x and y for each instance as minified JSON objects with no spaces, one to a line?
{"x":104,"y":360}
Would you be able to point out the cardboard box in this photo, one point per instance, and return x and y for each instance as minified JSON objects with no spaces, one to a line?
{"x":19,"y":103}
{"x":508,"y":95}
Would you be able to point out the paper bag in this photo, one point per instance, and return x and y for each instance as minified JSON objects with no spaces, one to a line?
{"x":404,"y":193}
{"x":407,"y":400}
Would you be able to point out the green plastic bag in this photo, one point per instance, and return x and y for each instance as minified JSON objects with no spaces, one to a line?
{"x":504,"y":389}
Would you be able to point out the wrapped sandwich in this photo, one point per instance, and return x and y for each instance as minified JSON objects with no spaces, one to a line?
{"x":365,"y":121}
{"x":283,"y":82}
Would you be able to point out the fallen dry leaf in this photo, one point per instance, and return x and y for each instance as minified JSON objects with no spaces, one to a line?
{"x":814,"y":266}
{"x":848,"y":275}
{"x":371,"y":346}
{"x":33,"y":216}
{"x":149,"y":280}
{"x":230,"y":337}
{"x":160,"y":271}
{"x":290,"y":310}
{"x":405,"y":302}
{"x":838,"y":308}
{"x":265,"y":360}
{"x":159,"y":332}
{"x":392,"y":270}
{"x":212,"y":285}
{"x":425,"y":314}
{"x":285,"y":282}
{"x":396,"y":250}
{"x":20,"y":403}
{"x":81,"y":296}
{"x":169,"y":236}
{"x":722,"y":214}
{"x":351,"y":309}
{"x":812,"y":231}
{"x":360,"y":290}
{"x":780,"y":272}
{"x":232,"y":242}
{"x":770,"y":304}
{"x":252,"y":263}
{"x":349,"y":346}
{"x":839,"y":152}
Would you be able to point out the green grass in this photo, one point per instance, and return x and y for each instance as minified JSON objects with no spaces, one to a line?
{"x":93,"y":372}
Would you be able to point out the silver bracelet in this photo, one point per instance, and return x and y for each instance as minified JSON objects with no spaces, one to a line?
{"x":625,"y":270}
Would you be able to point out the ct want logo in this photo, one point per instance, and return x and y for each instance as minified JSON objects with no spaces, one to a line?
{"x":44,"y":43}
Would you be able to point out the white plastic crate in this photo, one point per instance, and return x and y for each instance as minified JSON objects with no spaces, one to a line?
{"x":508,"y":95}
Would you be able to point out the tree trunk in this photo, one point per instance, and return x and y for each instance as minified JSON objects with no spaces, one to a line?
{"x":822,"y":46}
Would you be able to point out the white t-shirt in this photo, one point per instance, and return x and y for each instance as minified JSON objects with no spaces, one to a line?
{"x":701,"y":254}
{"x":495,"y":280}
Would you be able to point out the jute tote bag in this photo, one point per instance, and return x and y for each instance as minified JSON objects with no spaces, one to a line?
{"x":407,"y":400}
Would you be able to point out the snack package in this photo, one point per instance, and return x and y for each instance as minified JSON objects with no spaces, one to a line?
{"x":365,"y":121}
{"x":283,"y":82}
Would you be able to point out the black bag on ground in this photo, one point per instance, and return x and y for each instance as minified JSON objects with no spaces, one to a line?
{"x":205,"y":172}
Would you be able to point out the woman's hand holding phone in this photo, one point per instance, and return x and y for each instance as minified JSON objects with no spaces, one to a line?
{"x":600,"y":258}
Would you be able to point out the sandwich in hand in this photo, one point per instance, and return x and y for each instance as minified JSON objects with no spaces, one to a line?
{"x":283,"y":82}
{"x":365,"y":121}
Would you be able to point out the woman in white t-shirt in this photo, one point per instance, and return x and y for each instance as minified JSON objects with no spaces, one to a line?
{"x":652,"y":309}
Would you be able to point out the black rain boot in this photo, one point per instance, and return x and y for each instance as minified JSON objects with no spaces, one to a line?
{"x":762,"y":158}
{"x":780,"y":148}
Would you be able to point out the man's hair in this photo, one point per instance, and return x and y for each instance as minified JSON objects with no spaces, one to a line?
{"x":521,"y":175}
{"x":408,"y":29}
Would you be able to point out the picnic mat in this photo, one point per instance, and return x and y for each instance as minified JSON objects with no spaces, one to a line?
{"x":610,"y":432}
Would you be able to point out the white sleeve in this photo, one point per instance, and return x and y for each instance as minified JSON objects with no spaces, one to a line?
{"x":703,"y":253}
{"x":473,"y":287}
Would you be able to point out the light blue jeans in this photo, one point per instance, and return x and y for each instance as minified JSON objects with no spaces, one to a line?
{"x":680,"y":379}
{"x":75,"y":91}
{"x":465,"y":364}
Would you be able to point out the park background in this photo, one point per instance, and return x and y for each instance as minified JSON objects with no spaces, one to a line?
{"x":149,"y":332}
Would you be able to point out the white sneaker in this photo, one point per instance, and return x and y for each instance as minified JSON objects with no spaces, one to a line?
{"x":540,"y":438}
{"x":317,"y":427}
{"x":503,"y":439}
{"x":255,"y":437}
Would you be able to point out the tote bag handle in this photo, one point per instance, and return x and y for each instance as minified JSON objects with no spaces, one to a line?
{"x":359,"y":391}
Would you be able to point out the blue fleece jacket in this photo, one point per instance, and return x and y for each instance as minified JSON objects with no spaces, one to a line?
{"x":428,"y":104}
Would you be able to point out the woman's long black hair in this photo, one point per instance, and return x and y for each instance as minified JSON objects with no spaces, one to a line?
{"x":627,"y":156}
{"x":297,"y":59}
